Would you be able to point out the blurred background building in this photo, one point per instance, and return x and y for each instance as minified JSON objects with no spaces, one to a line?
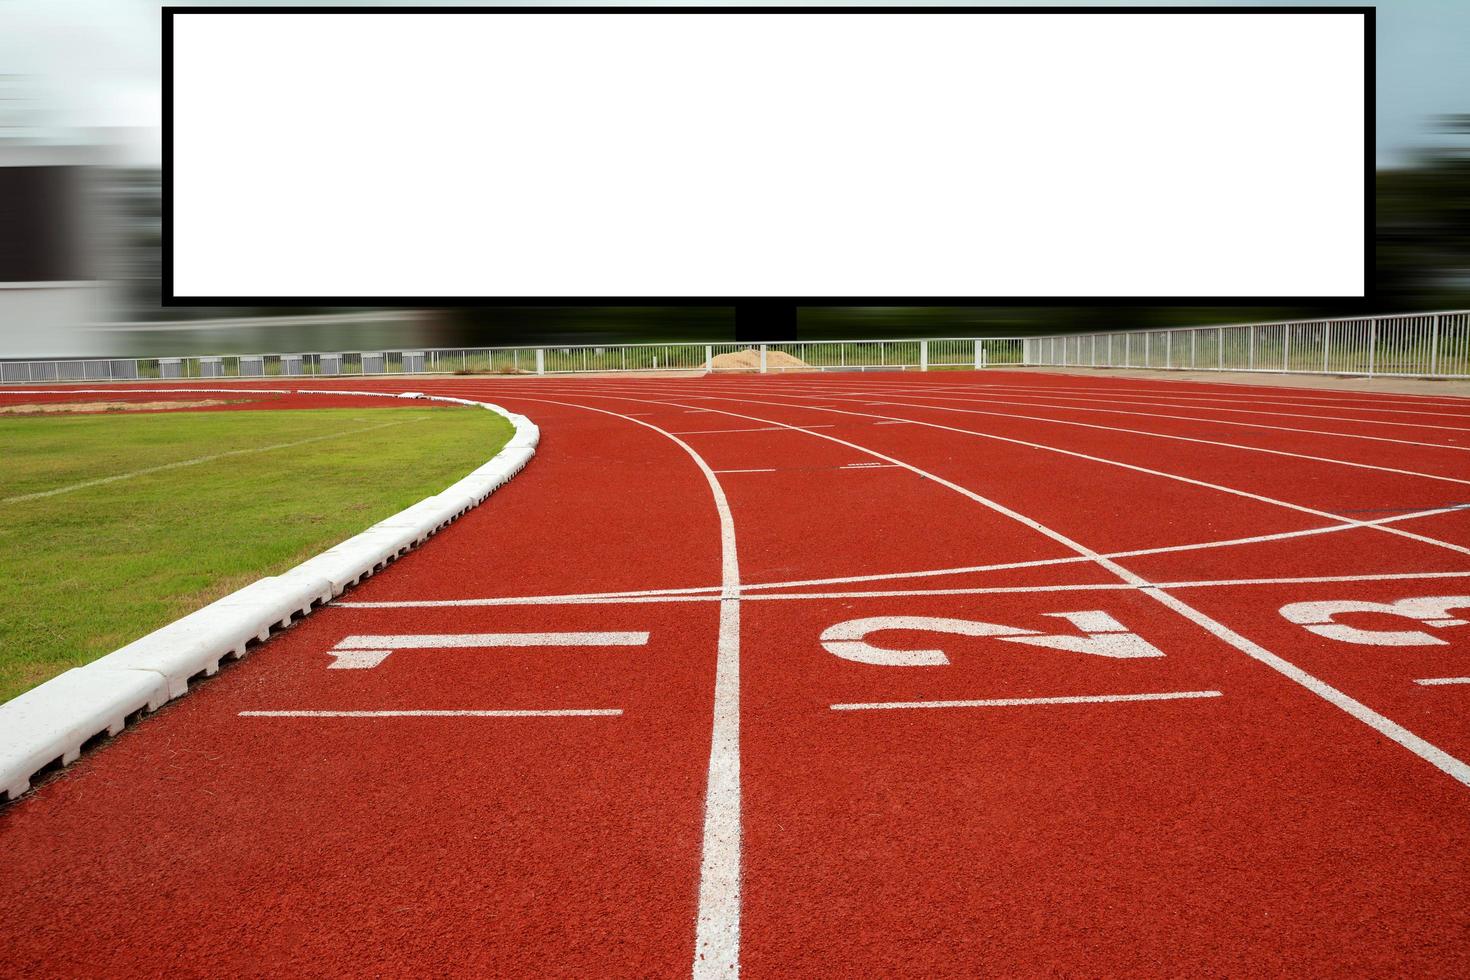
{"x":52,"y":229}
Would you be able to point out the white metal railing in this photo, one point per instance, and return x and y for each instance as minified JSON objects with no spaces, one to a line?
{"x":1430,"y":345}
{"x":838,"y":355}
{"x":1424,"y":345}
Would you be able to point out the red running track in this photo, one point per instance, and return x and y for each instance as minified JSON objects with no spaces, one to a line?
{"x":1213,"y":766}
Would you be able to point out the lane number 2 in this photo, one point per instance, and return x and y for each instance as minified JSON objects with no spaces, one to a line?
{"x":1098,"y":634}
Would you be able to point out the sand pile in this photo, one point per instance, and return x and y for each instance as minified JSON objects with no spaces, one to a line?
{"x":749,"y":361}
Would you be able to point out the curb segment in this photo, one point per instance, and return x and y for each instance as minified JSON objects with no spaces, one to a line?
{"x":53,"y":723}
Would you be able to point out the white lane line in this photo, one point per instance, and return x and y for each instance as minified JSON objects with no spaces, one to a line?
{"x":529,"y":713}
{"x":1371,"y":402}
{"x":809,"y":469}
{"x":747,"y":588}
{"x":1433,"y":754}
{"x":1381,"y":577}
{"x":1179,"y":418}
{"x":431,"y":641}
{"x":1050,"y":392}
{"x":614,"y":598}
{"x":1437,"y":681}
{"x":1273,"y":414}
{"x":717,"y":923}
{"x":1159,"y":385}
{"x":197,"y":460}
{"x":1020,"y":702}
{"x":1178,"y":438}
{"x":1382,"y":526}
{"x":762,"y":428}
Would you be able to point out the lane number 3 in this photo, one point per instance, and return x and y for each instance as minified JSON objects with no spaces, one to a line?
{"x":1433,"y":611}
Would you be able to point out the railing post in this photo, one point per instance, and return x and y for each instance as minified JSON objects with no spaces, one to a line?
{"x":709,"y":357}
{"x":1372,"y":345}
{"x":1434,"y":346}
{"x":1286,"y":349}
{"x":1251,"y":362}
{"x":923,"y":355}
{"x":978,"y":355}
{"x":540,"y":360}
{"x":1326,"y":345}
{"x":763,"y":358}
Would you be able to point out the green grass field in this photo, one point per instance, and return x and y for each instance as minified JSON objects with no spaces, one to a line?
{"x":97,"y":553}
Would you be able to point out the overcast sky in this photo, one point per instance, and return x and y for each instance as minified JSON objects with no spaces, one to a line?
{"x":98,"y":60}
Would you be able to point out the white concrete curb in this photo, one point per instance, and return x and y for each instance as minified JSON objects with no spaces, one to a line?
{"x":53,"y":722}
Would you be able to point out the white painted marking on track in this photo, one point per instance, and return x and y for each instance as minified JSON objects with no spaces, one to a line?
{"x":496,"y":713}
{"x":1022,"y":702}
{"x":1380,"y":577}
{"x":1317,"y":617}
{"x":690,"y":595}
{"x":1454,"y":768}
{"x":1178,"y":438}
{"x":745,"y":471}
{"x":1438,"y":681}
{"x":367,"y":652}
{"x":1179,"y":418}
{"x":717,"y":921}
{"x":1056,"y":395}
{"x":432,"y":641}
{"x":1104,"y":637}
{"x":1377,"y":400}
{"x":749,"y":587}
{"x":762,"y":428}
{"x":1380,"y":525}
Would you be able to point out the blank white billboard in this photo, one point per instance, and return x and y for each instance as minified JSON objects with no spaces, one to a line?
{"x":731,"y":154}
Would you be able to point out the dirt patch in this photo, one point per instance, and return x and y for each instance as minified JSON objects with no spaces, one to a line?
{"x":52,"y":408}
{"x":749,"y":360}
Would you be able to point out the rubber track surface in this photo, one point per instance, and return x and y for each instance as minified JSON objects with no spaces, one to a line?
{"x":1281,"y":802}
